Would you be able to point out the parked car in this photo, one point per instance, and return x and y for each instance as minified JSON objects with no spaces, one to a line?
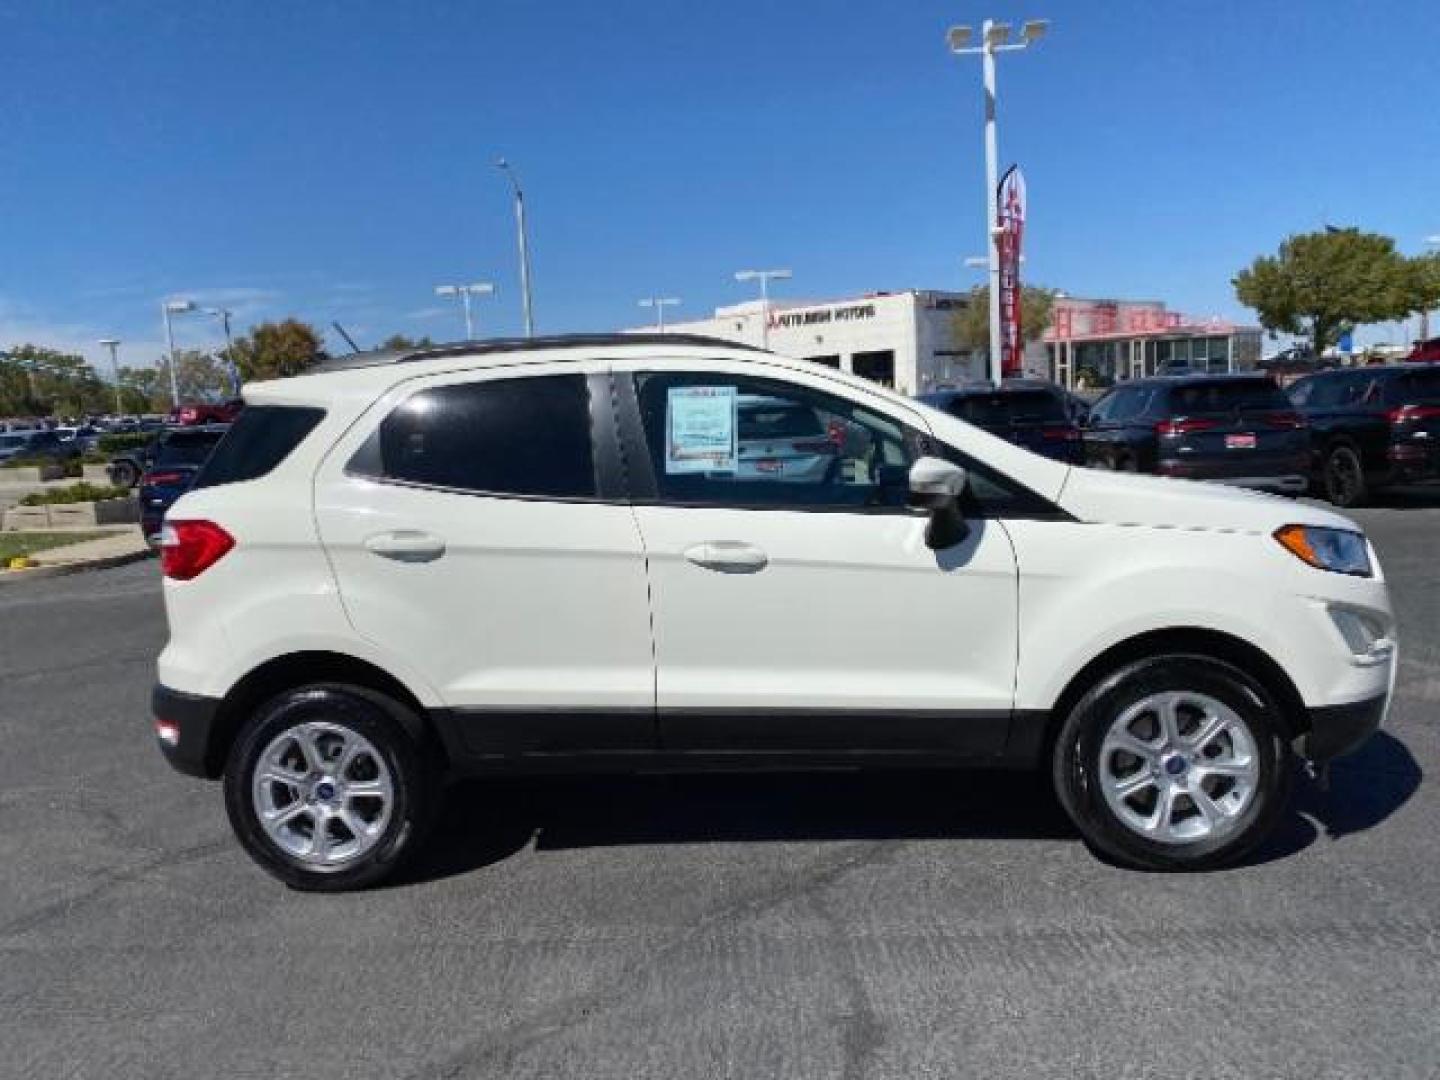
{"x":1038,"y":416}
{"x":84,"y":438}
{"x":174,"y":461}
{"x":38,"y":443}
{"x":207,"y":413}
{"x":1427,"y":351}
{"x":1237,"y":429}
{"x":1371,"y":427}
{"x":511,"y":557}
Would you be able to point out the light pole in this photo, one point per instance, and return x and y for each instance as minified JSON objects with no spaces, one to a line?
{"x":464,"y":292}
{"x":113,"y":344}
{"x":168,"y":308}
{"x":225,"y":315}
{"x":660,"y":303}
{"x":1434,"y":242}
{"x":764,"y":277}
{"x":504,"y":166}
{"x":993,"y":39}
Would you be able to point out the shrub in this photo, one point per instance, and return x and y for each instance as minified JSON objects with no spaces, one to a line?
{"x":71,"y":466}
{"x":118,"y":444}
{"x":75,"y":493}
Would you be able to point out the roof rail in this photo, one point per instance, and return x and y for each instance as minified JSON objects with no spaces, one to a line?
{"x":492,"y":346}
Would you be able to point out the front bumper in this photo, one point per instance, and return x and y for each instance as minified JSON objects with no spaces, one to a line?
{"x":1336,"y":730}
{"x":186,"y":729}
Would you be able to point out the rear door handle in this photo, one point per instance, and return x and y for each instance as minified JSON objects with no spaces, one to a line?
{"x":406,"y":545}
{"x":728,"y":557}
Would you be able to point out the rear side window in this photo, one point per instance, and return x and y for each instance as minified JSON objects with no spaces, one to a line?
{"x":187,"y":447}
{"x":261,"y":439}
{"x":1229,"y":395}
{"x":525,"y":437}
{"x":1004,"y":409}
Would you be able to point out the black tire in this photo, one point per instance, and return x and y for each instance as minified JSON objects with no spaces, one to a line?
{"x":387,"y":726}
{"x":1343,"y":476}
{"x":124,"y":474}
{"x":1128,"y":464}
{"x":1076,"y":763}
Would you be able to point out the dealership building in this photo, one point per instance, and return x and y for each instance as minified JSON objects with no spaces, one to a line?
{"x":1104,"y":341}
{"x":906,"y":340}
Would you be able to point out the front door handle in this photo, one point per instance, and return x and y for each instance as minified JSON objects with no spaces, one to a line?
{"x":406,"y":545}
{"x":728,"y":557}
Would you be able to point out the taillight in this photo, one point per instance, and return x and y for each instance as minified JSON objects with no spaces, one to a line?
{"x":189,"y":548}
{"x":1183,"y":427}
{"x":1292,"y":420}
{"x":1060,"y":434}
{"x":1412,"y":412}
{"x":162,"y":478}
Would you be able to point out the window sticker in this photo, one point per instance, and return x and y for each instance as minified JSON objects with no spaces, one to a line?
{"x":700,"y":429}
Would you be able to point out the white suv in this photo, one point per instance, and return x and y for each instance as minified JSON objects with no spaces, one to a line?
{"x":547,"y":555}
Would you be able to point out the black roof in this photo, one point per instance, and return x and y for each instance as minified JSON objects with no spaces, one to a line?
{"x":492,"y":346}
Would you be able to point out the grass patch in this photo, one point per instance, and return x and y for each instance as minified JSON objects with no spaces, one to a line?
{"x":75,"y":493}
{"x":13,"y":544}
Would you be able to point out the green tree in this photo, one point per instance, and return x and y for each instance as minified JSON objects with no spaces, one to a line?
{"x":36,"y":380}
{"x":201,"y":376}
{"x":400,"y":341}
{"x":142,"y":391}
{"x":1322,"y":283}
{"x":971,"y":323}
{"x":277,"y":350}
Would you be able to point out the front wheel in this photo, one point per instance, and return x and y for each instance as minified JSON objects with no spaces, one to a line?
{"x":1344,"y":476}
{"x":326,"y":789}
{"x":1173,"y":763}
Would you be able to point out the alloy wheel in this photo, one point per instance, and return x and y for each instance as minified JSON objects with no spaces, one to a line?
{"x":323,"y":794}
{"x":1179,"y":767}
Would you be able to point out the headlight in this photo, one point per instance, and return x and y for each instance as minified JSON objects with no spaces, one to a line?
{"x":1340,"y":550}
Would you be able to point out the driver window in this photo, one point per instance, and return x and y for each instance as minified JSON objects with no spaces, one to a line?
{"x":729,"y":440}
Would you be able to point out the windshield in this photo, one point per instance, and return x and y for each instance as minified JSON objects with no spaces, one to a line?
{"x":10,"y":442}
{"x":1008,"y":408}
{"x":1227,"y":396}
{"x":187,"y":448}
{"x":777,"y":420}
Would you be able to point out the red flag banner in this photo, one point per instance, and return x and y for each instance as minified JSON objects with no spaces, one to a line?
{"x":1012,"y":228}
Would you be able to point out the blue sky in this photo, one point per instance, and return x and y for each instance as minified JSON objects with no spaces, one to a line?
{"x":332,"y":160}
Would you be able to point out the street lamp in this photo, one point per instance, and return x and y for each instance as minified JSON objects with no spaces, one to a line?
{"x":225,"y":315}
{"x":764,"y":277}
{"x":504,"y":166}
{"x":994,"y":38}
{"x":465,"y":292}
{"x":113,"y":344}
{"x":660,"y":303}
{"x":168,"y":308}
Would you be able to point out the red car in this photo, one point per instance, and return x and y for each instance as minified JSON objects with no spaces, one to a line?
{"x":206,"y":413}
{"x":1427,"y":350}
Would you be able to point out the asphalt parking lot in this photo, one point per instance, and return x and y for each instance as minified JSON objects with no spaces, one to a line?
{"x":897,"y":926}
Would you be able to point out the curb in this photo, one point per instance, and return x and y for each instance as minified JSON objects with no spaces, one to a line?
{"x":35,"y":573}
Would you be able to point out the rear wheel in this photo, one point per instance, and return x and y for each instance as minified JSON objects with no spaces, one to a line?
{"x":1344,"y":476}
{"x":1173,"y":763}
{"x":326,"y":789}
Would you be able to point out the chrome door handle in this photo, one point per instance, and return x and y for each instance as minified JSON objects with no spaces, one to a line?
{"x":728,"y":557}
{"x":406,"y":545}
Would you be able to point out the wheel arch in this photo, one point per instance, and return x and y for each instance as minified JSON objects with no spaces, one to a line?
{"x":1182,"y":640}
{"x":290,"y":670}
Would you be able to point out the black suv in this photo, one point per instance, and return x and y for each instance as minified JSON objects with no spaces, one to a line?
{"x":1035,"y":415}
{"x":1370,"y":427}
{"x":1239,"y":429}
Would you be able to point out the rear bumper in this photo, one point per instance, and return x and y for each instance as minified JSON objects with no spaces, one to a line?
{"x":186,"y":730}
{"x":1336,"y":730}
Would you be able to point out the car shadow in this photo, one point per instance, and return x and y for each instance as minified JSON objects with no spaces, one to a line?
{"x":484,"y":821}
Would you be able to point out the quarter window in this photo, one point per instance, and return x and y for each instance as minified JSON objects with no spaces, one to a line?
{"x":526,"y":437}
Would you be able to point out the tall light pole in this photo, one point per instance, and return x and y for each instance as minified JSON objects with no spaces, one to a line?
{"x":993,"y":39}
{"x":1434,"y":242}
{"x":465,"y":292}
{"x":168,"y":308}
{"x":113,"y":344}
{"x":764,"y":277}
{"x":504,"y":166}
{"x":225,"y":315}
{"x":660,"y":303}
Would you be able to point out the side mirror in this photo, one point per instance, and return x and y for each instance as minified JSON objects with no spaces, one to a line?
{"x":935,"y":487}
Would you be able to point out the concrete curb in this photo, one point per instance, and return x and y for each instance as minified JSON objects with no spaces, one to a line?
{"x":35,"y":573}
